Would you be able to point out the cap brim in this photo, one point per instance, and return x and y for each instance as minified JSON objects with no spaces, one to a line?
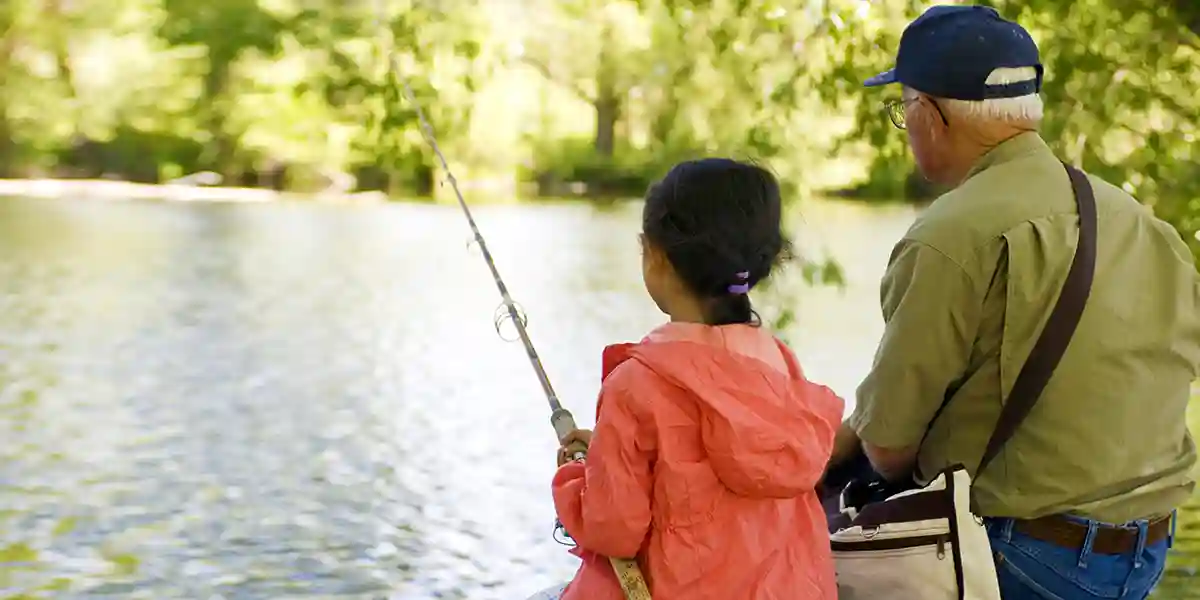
{"x":884,"y":78}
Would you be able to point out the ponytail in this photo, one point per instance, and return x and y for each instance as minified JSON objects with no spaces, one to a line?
{"x":731,"y":309}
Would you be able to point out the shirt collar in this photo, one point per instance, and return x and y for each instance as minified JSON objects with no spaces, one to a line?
{"x":1018,"y":146}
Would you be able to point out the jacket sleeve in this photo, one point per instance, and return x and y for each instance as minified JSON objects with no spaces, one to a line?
{"x":604,"y":501}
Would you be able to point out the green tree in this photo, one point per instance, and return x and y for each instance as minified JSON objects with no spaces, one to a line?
{"x":361,"y":57}
{"x":727,"y":77}
{"x":669,"y":79}
{"x":208,"y":25}
{"x":1122,"y":108}
{"x":34,"y":63}
{"x":8,"y":46}
{"x":595,"y":49}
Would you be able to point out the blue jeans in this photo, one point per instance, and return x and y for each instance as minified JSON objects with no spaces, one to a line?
{"x":1030,"y":569}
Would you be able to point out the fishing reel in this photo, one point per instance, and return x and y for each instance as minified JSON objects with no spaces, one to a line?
{"x":564,"y":423}
{"x":561,"y":536}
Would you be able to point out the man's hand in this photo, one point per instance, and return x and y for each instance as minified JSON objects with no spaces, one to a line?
{"x":894,"y":464}
{"x":846,"y":446}
{"x":575,"y":441}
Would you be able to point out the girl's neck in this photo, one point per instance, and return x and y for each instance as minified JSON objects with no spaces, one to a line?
{"x":687,"y":310}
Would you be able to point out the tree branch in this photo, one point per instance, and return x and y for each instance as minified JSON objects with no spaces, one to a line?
{"x":545,"y":72}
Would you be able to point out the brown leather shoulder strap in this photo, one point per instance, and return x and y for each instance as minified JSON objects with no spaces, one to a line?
{"x":1056,"y":336}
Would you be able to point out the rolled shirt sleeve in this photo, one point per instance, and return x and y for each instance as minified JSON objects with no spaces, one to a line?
{"x":931,"y":310}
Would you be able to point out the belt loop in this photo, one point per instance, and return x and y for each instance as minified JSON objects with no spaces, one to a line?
{"x":1143,"y":527}
{"x":1006,"y":529}
{"x":1088,"y":541}
{"x":1171,"y":536}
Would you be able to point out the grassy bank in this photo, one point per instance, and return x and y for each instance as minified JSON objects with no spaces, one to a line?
{"x":1184,"y":564}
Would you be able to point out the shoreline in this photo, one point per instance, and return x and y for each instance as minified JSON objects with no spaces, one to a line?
{"x":116,"y":190}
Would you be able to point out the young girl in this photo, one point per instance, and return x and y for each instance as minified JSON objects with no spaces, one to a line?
{"x":709,"y":441}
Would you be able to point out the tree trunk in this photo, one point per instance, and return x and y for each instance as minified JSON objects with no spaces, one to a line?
{"x":8,"y":147}
{"x":608,"y":97}
{"x":54,"y":12}
{"x":221,"y":152}
{"x":664,"y":123}
{"x":8,"y":154}
{"x":608,"y":111}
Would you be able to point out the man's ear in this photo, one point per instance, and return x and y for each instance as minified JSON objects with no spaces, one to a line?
{"x":937,"y":112}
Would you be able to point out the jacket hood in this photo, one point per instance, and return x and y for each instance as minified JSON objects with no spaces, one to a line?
{"x":767,"y":430}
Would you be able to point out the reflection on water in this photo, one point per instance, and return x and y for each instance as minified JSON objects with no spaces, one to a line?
{"x":291,"y":400}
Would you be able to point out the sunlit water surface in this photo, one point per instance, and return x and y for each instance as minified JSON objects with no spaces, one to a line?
{"x":307,"y":401}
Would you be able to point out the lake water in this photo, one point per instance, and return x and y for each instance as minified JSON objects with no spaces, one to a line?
{"x":298,"y":400}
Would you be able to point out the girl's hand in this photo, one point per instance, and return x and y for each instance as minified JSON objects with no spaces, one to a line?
{"x":572,"y":443}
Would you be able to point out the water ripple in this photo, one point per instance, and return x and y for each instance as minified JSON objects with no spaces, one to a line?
{"x":298,"y":401}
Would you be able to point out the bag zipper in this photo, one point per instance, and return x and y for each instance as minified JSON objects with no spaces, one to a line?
{"x":940,"y":541}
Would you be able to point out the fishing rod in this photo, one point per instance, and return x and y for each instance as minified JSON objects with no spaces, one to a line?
{"x":633,"y":584}
{"x":627,"y":570}
{"x":560,"y":418}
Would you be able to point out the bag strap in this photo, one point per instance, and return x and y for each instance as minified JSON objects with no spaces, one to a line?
{"x":1057,"y":333}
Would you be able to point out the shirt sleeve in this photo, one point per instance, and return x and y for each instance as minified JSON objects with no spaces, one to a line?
{"x":603,"y":501}
{"x":931,"y":312}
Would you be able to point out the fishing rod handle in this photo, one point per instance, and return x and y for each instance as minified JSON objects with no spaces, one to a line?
{"x":564,"y":423}
{"x":633,"y":583}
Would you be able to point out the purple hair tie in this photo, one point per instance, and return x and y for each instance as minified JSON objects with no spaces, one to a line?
{"x":741,"y":288}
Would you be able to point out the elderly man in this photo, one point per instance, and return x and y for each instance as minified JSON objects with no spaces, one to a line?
{"x":1079,"y":503}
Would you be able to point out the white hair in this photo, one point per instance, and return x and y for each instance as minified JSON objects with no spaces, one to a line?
{"x":1020,"y":109}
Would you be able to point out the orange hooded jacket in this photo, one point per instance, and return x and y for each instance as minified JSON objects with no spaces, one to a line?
{"x":708,"y":445}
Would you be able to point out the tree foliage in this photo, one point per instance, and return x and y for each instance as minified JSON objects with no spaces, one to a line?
{"x":296,"y":93}
{"x":1120,"y":107}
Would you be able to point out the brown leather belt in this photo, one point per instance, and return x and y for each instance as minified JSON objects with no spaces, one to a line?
{"x":1109,"y":539}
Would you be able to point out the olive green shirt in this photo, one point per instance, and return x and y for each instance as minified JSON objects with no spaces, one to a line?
{"x":966,"y":293}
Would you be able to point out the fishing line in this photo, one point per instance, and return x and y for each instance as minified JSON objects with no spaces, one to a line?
{"x":629,"y":575}
{"x":508,"y":310}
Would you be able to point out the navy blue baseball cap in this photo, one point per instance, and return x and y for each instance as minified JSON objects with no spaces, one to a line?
{"x":949,"y":52}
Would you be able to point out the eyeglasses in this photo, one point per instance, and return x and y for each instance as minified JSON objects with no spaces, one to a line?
{"x":896,"y":109}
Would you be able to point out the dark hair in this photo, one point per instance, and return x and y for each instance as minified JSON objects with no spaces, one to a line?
{"x":719,"y":223}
